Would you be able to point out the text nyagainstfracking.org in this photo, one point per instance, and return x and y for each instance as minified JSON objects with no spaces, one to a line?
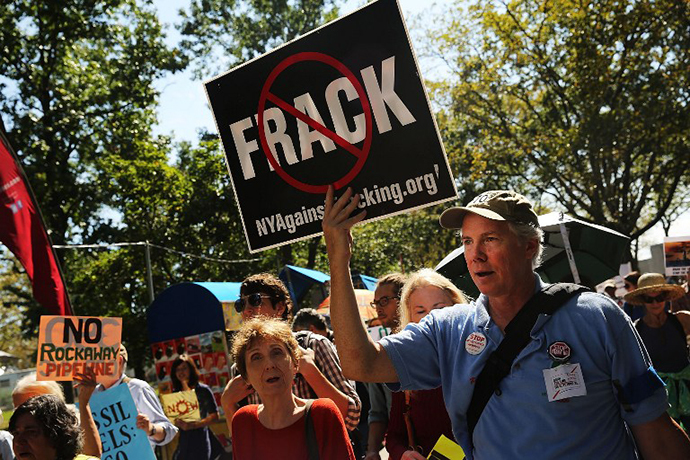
{"x":368,"y":197}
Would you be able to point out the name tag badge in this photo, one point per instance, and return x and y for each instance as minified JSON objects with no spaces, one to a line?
{"x":564,"y":381}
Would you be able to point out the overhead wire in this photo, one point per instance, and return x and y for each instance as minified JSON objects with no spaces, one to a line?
{"x":146,"y":243}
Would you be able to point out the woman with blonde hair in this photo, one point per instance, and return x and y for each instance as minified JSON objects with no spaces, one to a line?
{"x":283,"y":426}
{"x":419,"y":418}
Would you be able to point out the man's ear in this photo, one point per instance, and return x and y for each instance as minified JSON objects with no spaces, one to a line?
{"x":280,"y":308}
{"x":532,"y":247}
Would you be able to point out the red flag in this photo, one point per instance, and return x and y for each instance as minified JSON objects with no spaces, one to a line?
{"x":23,"y":232}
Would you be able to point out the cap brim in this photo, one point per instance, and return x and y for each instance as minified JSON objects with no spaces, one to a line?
{"x":452,"y":218}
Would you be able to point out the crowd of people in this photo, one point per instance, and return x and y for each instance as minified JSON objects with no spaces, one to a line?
{"x":565,"y":373}
{"x":525,"y":370}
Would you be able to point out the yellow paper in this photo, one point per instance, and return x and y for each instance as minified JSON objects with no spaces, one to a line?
{"x":233,"y":320}
{"x":445,"y":449}
{"x":183,"y":405}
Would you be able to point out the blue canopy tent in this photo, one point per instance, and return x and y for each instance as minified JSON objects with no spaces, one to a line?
{"x":188,"y":309}
{"x":298,"y":280}
{"x":364,"y":282}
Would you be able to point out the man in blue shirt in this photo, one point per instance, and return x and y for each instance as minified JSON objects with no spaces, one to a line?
{"x":572,"y":392}
{"x":151,"y":418}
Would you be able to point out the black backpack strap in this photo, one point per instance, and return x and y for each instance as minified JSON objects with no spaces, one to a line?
{"x":312,"y":443}
{"x":517,"y":336}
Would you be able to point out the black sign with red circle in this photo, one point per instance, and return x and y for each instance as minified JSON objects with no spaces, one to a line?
{"x":361,"y":154}
{"x":342,"y":105}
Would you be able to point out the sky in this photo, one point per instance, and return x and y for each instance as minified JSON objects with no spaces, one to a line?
{"x":183,"y":106}
{"x":184,"y":109}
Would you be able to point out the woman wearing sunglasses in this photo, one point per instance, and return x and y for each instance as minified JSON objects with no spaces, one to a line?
{"x":419,"y":418}
{"x":283,"y":426}
{"x":665,"y":336}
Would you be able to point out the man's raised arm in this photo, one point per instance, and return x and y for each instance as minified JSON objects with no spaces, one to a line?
{"x":360,"y":357}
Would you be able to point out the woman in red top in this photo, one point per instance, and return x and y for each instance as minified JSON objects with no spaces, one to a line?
{"x":419,"y":418}
{"x":267,"y":354}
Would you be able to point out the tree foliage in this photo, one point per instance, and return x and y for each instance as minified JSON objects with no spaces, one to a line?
{"x":77,"y":100}
{"x":219,"y":34}
{"x":582,"y":103}
{"x":77,"y":92}
{"x":79,"y":105}
{"x":13,"y":339}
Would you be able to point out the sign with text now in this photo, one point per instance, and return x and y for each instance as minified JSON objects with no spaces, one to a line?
{"x":343,"y":105}
{"x":181,"y":404}
{"x":69,"y":344}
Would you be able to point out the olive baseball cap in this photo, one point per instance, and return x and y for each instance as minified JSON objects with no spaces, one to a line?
{"x":496,"y":205}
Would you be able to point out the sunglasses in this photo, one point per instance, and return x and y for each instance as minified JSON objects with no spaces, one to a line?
{"x":657,"y":299}
{"x":253,"y":299}
{"x":383,"y":301}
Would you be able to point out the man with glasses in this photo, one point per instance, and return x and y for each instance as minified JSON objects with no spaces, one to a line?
{"x":579,"y":386}
{"x":320,"y":374}
{"x":386,"y":302}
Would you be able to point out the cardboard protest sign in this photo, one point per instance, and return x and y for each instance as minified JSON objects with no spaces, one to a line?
{"x":116,"y":417}
{"x":207,"y":351}
{"x":181,"y":404}
{"x":342,"y":105}
{"x":69,"y":344}
{"x":445,"y":449}
{"x":677,"y":255}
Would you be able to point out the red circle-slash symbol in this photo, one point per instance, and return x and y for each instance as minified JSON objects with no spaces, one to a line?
{"x":360,"y":154}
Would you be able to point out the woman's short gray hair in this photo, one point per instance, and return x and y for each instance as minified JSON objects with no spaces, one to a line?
{"x":29,"y":385}
{"x":526,"y":232}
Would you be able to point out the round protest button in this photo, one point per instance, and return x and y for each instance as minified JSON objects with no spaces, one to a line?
{"x":475,"y":343}
{"x":559,"y":352}
{"x":360,"y":154}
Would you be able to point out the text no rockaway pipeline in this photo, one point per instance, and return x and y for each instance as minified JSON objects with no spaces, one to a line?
{"x":66,"y":361}
{"x":368,"y":197}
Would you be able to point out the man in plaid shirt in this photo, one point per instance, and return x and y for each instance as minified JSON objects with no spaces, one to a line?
{"x":320,"y":374}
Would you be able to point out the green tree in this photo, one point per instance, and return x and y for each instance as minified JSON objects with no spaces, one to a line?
{"x":77,"y":98}
{"x":13,"y":339}
{"x":219,"y":34}
{"x":77,"y":89}
{"x":584,"y":104}
{"x":405,"y":243}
